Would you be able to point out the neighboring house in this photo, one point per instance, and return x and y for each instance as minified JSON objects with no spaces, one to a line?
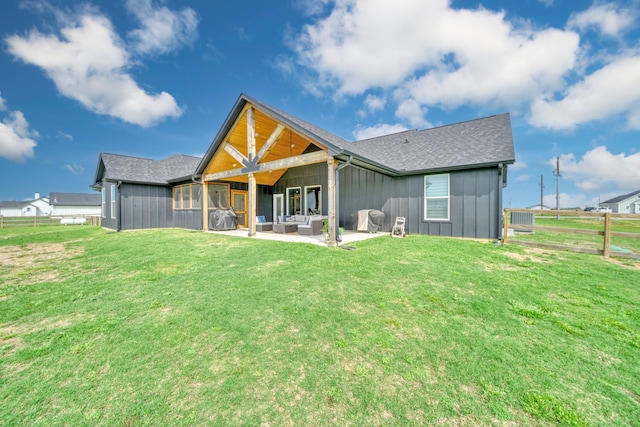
{"x":444,"y":181}
{"x":74,"y":204}
{"x":627,"y":203}
{"x":39,"y":206}
{"x":11,"y":208}
{"x":136,"y":193}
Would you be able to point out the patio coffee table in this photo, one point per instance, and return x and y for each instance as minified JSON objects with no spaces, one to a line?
{"x":283,"y":227}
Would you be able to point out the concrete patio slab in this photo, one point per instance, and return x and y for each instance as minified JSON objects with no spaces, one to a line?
{"x":347,"y":237}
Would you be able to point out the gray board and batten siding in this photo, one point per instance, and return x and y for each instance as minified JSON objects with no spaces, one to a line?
{"x":474,"y":198}
{"x":474,"y":195}
{"x":138,"y":206}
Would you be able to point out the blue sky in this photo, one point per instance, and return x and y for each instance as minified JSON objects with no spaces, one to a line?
{"x":153,"y":78}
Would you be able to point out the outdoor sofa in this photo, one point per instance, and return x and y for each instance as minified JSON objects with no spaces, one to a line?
{"x":303,"y":224}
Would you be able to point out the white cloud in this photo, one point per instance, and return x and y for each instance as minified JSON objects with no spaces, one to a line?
{"x":436,"y":54}
{"x":311,"y":7}
{"x":599,"y":170}
{"x":413,"y":113}
{"x":518,"y":165}
{"x":16,"y":139}
{"x":88,"y":63}
{"x":65,"y":136}
{"x":371,"y":132}
{"x":375,"y":103}
{"x":611,"y":90}
{"x":163,"y":30}
{"x":74,"y":168}
{"x":606,"y":17}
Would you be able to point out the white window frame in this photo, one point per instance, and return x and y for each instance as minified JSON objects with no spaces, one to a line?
{"x":306,"y":203}
{"x":427,"y":198}
{"x":104,"y":202}
{"x":113,"y":201}
{"x":288,"y":209}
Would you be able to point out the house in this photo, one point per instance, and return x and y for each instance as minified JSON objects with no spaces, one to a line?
{"x":38,"y":206}
{"x":74,"y":204}
{"x":444,"y":181}
{"x":136,"y":193}
{"x":626,"y":203}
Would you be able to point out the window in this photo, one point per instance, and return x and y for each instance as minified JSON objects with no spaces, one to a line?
{"x":313,"y":200}
{"x":104,"y":202}
{"x":187,"y":196}
{"x":218,"y":196}
{"x":113,"y":200}
{"x":436,"y":197}
{"x":294,"y":202}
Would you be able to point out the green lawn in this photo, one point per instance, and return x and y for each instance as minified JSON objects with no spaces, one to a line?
{"x":173,"y":327}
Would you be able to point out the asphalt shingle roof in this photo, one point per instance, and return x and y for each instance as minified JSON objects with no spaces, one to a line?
{"x":135,"y":169}
{"x":621,"y":198}
{"x":13,"y":204}
{"x":484,"y":141}
{"x":473,"y":143}
{"x":74,"y":199}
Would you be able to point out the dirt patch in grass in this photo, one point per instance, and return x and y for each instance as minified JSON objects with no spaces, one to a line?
{"x":537,"y":255}
{"x":626,"y":263}
{"x":34,"y":263}
{"x":10,"y":341}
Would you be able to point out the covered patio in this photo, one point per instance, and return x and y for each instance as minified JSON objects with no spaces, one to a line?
{"x":255,"y":147}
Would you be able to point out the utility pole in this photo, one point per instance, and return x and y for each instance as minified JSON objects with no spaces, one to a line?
{"x":556,"y":173}
{"x":541,"y":193}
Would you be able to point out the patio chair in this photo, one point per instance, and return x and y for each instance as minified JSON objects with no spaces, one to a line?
{"x":262,"y":224}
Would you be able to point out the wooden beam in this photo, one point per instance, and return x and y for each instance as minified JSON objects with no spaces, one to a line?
{"x":224,"y":174}
{"x":272,"y":139}
{"x":251,"y":152}
{"x":236,"y":154}
{"x":205,"y":206}
{"x":289,"y":162}
{"x":331,"y":198}
{"x":251,"y":212}
{"x":251,"y":134}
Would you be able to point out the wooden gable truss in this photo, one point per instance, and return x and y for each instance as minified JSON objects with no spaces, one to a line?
{"x":258,"y":150}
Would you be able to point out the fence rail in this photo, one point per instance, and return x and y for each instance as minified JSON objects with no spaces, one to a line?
{"x":606,"y":217}
{"x":40,"y":221}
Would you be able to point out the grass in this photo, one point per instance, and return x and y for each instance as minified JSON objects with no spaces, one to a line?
{"x":172,"y":327}
{"x":584,"y":240}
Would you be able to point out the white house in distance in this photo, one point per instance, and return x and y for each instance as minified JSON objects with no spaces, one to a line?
{"x":627,"y":203}
{"x":56,"y":205}
{"x":74,"y":204}
{"x":39,"y":206}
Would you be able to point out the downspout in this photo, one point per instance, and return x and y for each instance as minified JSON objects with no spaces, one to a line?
{"x":501,"y":183}
{"x":118,"y":207}
{"x":340,"y":167}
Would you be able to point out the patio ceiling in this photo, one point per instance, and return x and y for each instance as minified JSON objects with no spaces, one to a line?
{"x":274,"y":142}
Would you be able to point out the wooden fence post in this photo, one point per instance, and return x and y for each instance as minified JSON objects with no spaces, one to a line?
{"x":505,"y":225}
{"x":607,"y":235}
